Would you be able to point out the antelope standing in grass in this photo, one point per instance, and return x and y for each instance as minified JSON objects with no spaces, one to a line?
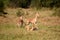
{"x":33,"y":21}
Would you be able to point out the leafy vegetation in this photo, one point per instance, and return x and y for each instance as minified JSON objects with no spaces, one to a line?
{"x":33,"y":3}
{"x":57,"y":12}
{"x":19,"y":13}
{"x":1,"y":6}
{"x":2,"y":13}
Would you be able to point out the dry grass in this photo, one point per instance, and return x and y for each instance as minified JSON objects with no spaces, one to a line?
{"x":49,"y":26}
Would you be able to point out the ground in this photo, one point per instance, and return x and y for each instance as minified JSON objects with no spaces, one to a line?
{"x":49,"y":26}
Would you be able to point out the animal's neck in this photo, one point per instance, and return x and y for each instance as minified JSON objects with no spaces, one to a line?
{"x":35,"y":18}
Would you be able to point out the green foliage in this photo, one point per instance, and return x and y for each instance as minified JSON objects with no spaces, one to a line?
{"x":20,"y":3}
{"x":6,"y":3}
{"x":35,"y":3}
{"x":32,"y":3}
{"x":2,"y":13}
{"x":45,"y":3}
{"x":1,"y":6}
{"x":24,"y":3}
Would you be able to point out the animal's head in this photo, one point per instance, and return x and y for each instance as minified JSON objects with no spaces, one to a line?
{"x":37,"y":14}
{"x":21,"y":17}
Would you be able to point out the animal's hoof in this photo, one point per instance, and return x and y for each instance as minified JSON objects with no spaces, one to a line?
{"x":35,"y":28}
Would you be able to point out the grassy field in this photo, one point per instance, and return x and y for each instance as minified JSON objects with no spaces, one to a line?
{"x":49,"y":27}
{"x":11,"y":32}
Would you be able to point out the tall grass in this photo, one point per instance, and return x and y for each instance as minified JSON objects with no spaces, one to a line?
{"x":57,"y":12}
{"x":11,"y":32}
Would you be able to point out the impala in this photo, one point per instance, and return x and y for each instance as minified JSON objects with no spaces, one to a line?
{"x":20,"y":21}
{"x":32,"y":21}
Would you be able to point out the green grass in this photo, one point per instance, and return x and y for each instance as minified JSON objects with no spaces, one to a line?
{"x":9,"y":31}
{"x":12,"y":32}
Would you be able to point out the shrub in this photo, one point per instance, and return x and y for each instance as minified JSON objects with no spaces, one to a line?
{"x":1,"y":6}
{"x":20,"y":3}
{"x":57,"y":12}
{"x":45,"y":3}
{"x":2,"y":13}
{"x":32,"y":3}
{"x":20,"y":13}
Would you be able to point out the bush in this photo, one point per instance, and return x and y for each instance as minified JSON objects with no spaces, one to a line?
{"x":57,"y":12}
{"x":20,"y":13}
{"x":20,"y":3}
{"x":1,"y":6}
{"x":32,"y":3}
{"x":2,"y":13}
{"x":45,"y":3}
